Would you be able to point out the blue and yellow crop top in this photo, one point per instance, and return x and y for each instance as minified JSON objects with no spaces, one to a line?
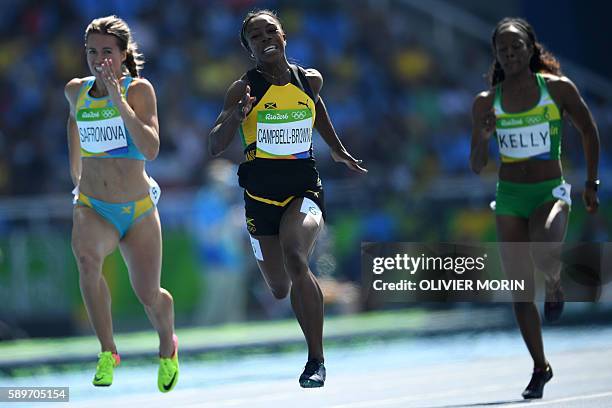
{"x":102,"y":132}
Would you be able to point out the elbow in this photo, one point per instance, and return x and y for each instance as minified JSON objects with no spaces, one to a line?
{"x":151,"y":153}
{"x":214,"y":148}
{"x":150,"y":156}
{"x":150,"y":150}
{"x":476,"y":165}
{"x":214,"y":151}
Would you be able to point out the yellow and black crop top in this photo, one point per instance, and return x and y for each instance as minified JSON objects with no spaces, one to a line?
{"x":280,"y":124}
{"x":277,"y":137}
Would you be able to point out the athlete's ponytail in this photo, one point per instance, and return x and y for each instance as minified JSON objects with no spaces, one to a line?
{"x":134,"y":60}
{"x":541,"y":60}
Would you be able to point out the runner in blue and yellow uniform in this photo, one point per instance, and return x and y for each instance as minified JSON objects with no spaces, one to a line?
{"x":275,"y":106}
{"x":112,"y":130}
{"x":524,"y":109}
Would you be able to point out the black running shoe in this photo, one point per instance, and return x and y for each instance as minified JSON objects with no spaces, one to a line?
{"x":539,"y":378}
{"x":553,"y":306}
{"x":313,"y":375}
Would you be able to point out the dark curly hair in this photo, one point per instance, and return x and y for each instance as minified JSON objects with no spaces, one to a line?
{"x":249,"y":17}
{"x":541,"y":60}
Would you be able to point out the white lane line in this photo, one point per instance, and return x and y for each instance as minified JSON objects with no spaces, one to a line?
{"x":417,"y":397}
{"x":392,"y":401}
{"x":567,"y":399}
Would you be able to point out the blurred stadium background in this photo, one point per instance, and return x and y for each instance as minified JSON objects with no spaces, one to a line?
{"x":400,"y":77}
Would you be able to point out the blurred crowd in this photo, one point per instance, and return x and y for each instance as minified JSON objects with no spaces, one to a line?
{"x":399,"y":100}
{"x":399,"y":89}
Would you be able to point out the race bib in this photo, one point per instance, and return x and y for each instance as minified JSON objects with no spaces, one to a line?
{"x":101,"y":129}
{"x":311,"y":209}
{"x":563,"y":192}
{"x":522,"y":142}
{"x":284,"y":132}
{"x":154,"y":190}
{"x":75,"y":195}
{"x":256,"y":248}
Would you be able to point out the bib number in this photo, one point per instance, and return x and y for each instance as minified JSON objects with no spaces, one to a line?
{"x":154,"y":190}
{"x":563,"y":193}
{"x":283,"y":133}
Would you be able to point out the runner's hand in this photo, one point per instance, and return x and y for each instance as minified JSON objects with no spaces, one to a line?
{"x":342,"y":156}
{"x":591,"y":202}
{"x":111,"y":82}
{"x":487,"y":123}
{"x":244,"y":105}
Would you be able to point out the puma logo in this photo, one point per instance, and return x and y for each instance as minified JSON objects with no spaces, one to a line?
{"x":251,"y":225}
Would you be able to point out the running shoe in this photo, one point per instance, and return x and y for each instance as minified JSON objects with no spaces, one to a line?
{"x":107,"y":361}
{"x":313,"y":375}
{"x":167,"y":375}
{"x":539,"y":378}
{"x":553,"y":306}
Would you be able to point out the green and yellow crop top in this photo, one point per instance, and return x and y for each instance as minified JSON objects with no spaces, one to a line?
{"x":102,"y":132}
{"x":532,"y":134}
{"x":280,"y":124}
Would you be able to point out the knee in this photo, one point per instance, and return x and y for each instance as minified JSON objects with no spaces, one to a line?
{"x":88,"y":263}
{"x":148,"y":298}
{"x":546,"y":259}
{"x":280,"y":290}
{"x":296,"y":263}
{"x":520,"y":308}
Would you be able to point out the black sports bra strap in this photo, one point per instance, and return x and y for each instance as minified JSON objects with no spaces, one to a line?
{"x":259,"y":86}
{"x":300,"y":77}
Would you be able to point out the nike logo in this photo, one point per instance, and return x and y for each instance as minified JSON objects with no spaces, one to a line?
{"x":96,"y":378}
{"x":171,"y":383}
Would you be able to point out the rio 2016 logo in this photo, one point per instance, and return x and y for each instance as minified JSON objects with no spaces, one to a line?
{"x":533,"y":120}
{"x":108,"y":113}
{"x":298,"y":115}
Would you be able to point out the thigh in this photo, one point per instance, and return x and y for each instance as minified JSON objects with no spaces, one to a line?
{"x":93,"y":238}
{"x":299,"y":227}
{"x":514,"y":247}
{"x":548,"y":222}
{"x":547,"y":228}
{"x":269,"y":256}
{"x":141,"y":248}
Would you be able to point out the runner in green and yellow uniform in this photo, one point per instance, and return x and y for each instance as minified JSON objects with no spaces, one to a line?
{"x":524,"y":109}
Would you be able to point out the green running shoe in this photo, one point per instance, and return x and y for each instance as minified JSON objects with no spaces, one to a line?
{"x":107,"y":361}
{"x":167,"y":375}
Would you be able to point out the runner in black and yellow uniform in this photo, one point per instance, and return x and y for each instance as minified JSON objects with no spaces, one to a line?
{"x":275,"y":107}
{"x":524,"y":108}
